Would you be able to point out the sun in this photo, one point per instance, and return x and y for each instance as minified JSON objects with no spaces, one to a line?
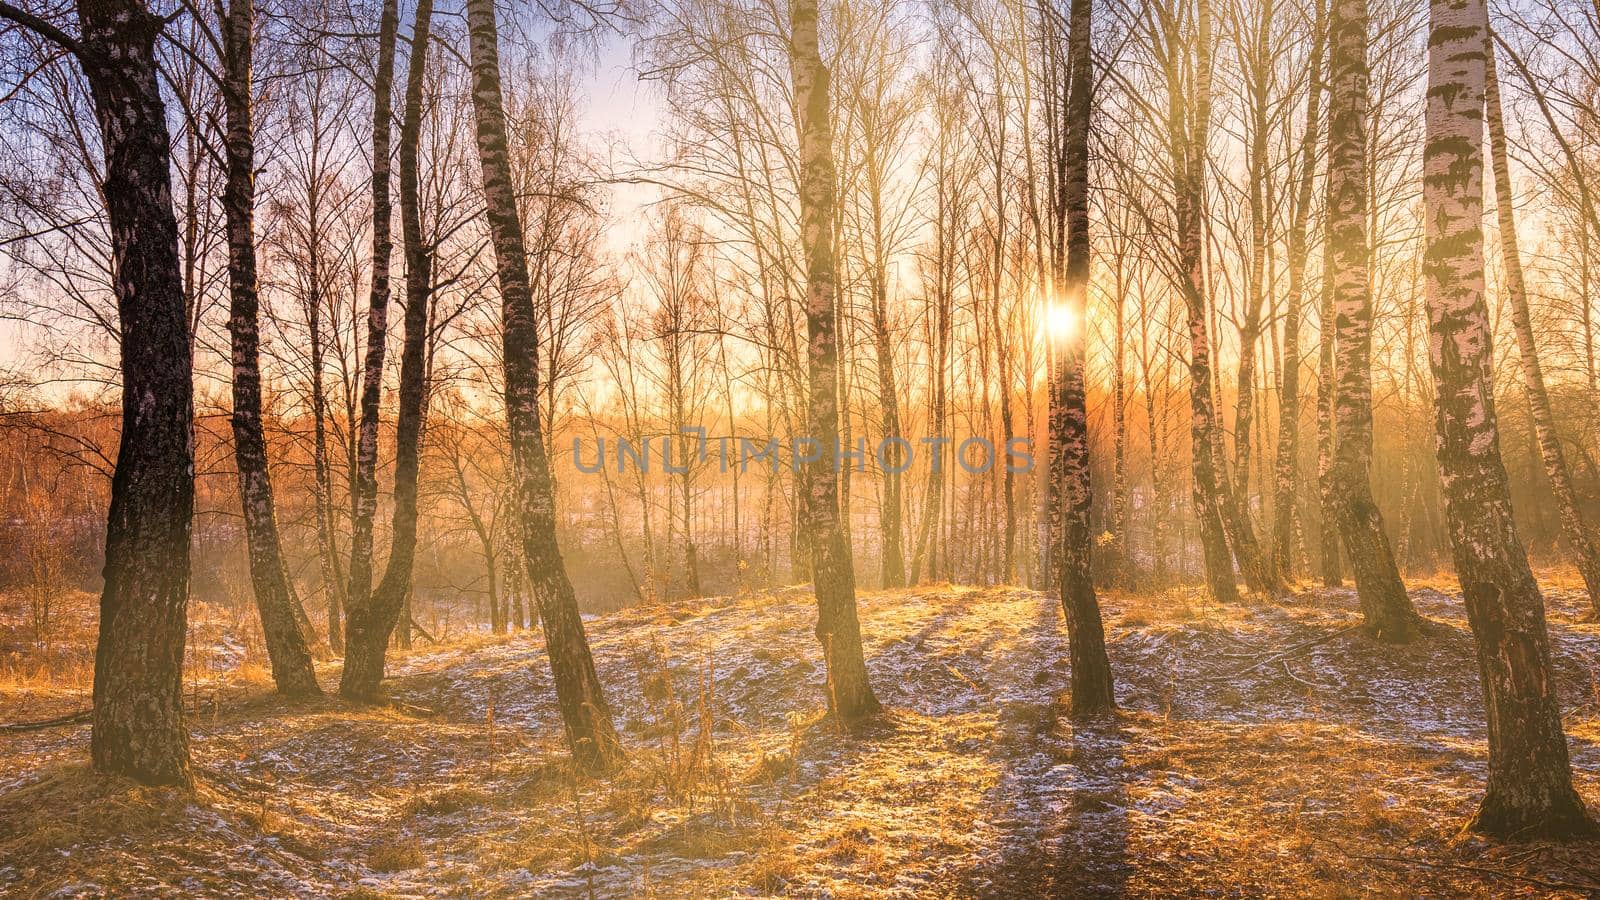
{"x":1060,"y":321}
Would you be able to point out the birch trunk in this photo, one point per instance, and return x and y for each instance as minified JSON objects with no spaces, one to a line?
{"x":1092,"y":688}
{"x":332,"y":575}
{"x":933,"y":506}
{"x":890,"y":516}
{"x":584,"y":709}
{"x":1188,"y":129}
{"x":850,"y":694}
{"x":327,"y":548}
{"x":372,"y":620}
{"x":1388,"y":611}
{"x":1530,"y":793}
{"x":1578,"y":173}
{"x":1574,"y":530}
{"x":1256,"y":60}
{"x":364,"y":489}
{"x":138,"y":727}
{"x":1122,"y":573}
{"x":1287,"y":464}
{"x":1328,"y":528}
{"x":292,"y":669}
{"x":1239,"y":526}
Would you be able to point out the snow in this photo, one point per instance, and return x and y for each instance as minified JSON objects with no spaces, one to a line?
{"x":1220,"y":769}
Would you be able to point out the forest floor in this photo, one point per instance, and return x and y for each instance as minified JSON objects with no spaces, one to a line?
{"x":1342,"y":767}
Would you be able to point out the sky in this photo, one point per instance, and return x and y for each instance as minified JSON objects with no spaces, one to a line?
{"x":621,"y":112}
{"x":618,"y":112}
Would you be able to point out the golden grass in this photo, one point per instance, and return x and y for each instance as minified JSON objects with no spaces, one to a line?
{"x":697,"y":839}
{"x":253,"y":673}
{"x":1144,"y":610}
{"x":856,"y":845}
{"x":776,"y":864}
{"x":770,"y":767}
{"x":397,"y":855}
{"x":446,"y":801}
{"x":71,"y":806}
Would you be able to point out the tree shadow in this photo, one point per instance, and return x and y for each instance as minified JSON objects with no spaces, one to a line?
{"x":1065,"y":818}
{"x":1060,"y":807}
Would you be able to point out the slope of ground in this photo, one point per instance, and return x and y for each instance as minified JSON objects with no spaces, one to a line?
{"x":1262,"y":750}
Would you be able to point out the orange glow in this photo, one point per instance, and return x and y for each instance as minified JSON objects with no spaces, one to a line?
{"x":1060,"y":320}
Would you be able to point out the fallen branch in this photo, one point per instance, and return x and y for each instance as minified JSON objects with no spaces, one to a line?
{"x":1290,"y":672}
{"x":75,"y":718}
{"x":1586,"y":887}
{"x":424,"y":632}
{"x":1285,"y":654}
{"x":422,"y":712}
{"x":195,"y":707}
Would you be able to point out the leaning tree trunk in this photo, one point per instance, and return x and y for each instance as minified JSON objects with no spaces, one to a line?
{"x":933,"y":493}
{"x":516,"y":579}
{"x":1287,"y":467}
{"x":1388,"y":611}
{"x":1092,"y":687}
{"x":1327,"y":527}
{"x":364,"y":490}
{"x":1530,"y":791}
{"x":1573,"y":527}
{"x":138,"y":668}
{"x":1188,"y":127}
{"x":1257,"y":570}
{"x":292,"y":669}
{"x":582,"y":700}
{"x":849,"y":692}
{"x":1240,"y":529}
{"x":1121,"y":511}
{"x":371,"y":620}
{"x":895,"y":460}
{"x":327,"y":546}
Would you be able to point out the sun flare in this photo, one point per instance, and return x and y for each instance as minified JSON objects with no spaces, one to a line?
{"x":1061,"y":322}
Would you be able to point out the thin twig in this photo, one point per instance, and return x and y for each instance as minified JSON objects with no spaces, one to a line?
{"x":1482,"y":870}
{"x":1285,"y":654}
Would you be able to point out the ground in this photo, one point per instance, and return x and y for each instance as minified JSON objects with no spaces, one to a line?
{"x":1341,"y":767}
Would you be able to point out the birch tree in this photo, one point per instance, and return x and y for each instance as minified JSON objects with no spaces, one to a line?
{"x":1388,"y":611}
{"x":372,"y":618}
{"x":850,"y":695}
{"x":1287,"y":463}
{"x":364,"y":487}
{"x":276,"y":601}
{"x":582,"y":699}
{"x":1092,"y":690}
{"x":1529,"y":792}
{"x":138,"y":723}
{"x":1186,"y":63}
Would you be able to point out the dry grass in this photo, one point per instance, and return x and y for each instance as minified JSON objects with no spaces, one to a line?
{"x":770,"y":767}
{"x":1278,"y":781}
{"x":101,"y":808}
{"x":38,"y":664}
{"x":698,"y":839}
{"x":397,"y":856}
{"x":1179,"y":605}
{"x":776,"y":863}
{"x":447,"y":801}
